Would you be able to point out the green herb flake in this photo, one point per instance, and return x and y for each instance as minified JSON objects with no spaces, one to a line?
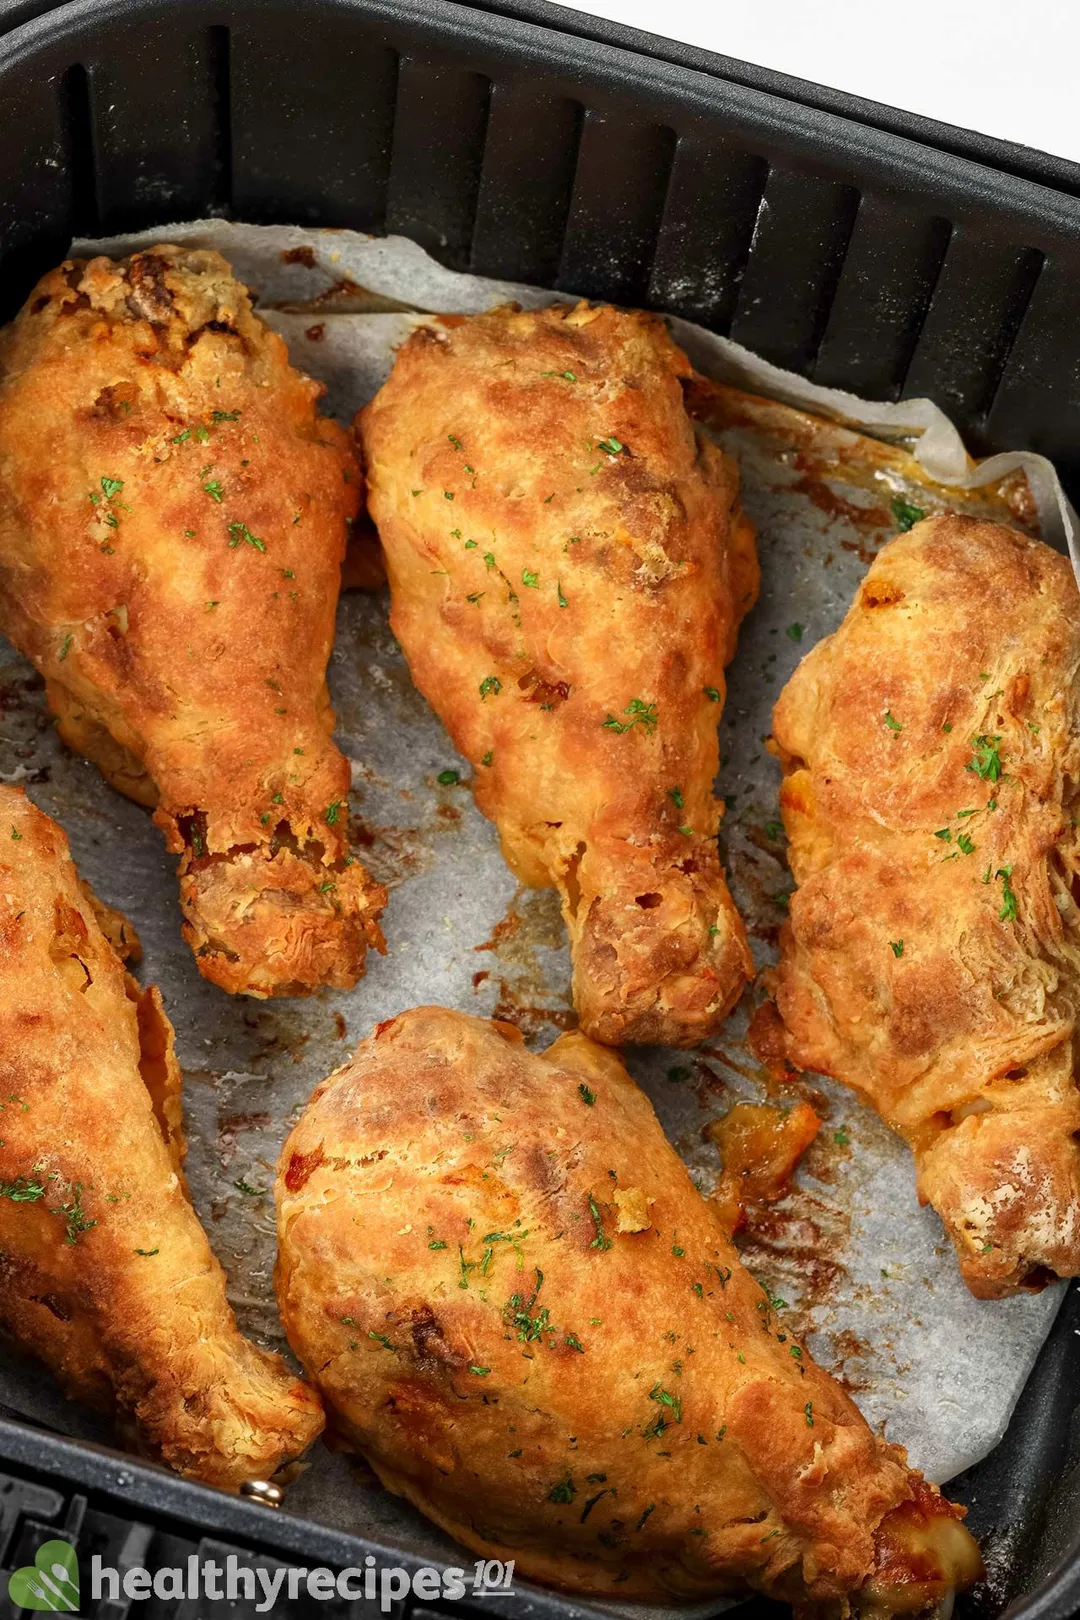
{"x":147,"y":1253}
{"x":599,"y":1241}
{"x":986,"y":760}
{"x":665,"y":1398}
{"x":897,"y":947}
{"x":641,"y":714}
{"x":841,"y":1137}
{"x":944,"y":834}
{"x":65,"y":648}
{"x":111,"y":487}
{"x":564,"y":1491}
{"x":381,"y":1338}
{"x":246,"y":1187}
{"x":214,"y":490}
{"x":1008,"y":912}
{"x":906,"y":514}
{"x":448,"y":778}
{"x":711,"y":693}
{"x":965,"y":844}
{"x":332,"y":811}
{"x":809,"y":1410}
{"x":240,"y":532}
{"x":588,"y":1097}
{"x":490,"y":685}
{"x":529,"y":578}
{"x":675,"y":795}
{"x":794,"y":632}
{"x":892,"y":723}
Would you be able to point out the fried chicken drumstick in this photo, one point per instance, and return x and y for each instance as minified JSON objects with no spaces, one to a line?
{"x":522,"y":1312}
{"x":173,"y":516}
{"x":568,"y":566}
{"x":106,"y":1274}
{"x":931,"y":754}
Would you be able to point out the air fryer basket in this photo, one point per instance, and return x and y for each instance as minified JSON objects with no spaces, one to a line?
{"x":826,"y":235}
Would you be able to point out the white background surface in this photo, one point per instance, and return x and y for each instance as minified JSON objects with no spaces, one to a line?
{"x":1003,"y":67}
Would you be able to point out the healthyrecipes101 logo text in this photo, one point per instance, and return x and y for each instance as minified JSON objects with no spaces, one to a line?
{"x":51,"y":1583}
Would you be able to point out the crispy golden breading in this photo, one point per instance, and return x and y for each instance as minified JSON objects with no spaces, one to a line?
{"x":522,"y":1312}
{"x":105,"y":1272}
{"x":568,"y":566}
{"x":932,"y":959}
{"x":172,"y":522}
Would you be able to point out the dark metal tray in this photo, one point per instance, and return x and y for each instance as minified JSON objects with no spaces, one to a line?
{"x":869,"y":249}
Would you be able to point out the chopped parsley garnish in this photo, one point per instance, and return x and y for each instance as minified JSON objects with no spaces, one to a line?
{"x":481,"y":1372}
{"x":675,"y":795}
{"x":147,"y":1253}
{"x":1008,"y":912}
{"x":16,"y":834}
{"x":490,"y":684}
{"x":529,"y":578}
{"x":842,"y":1139}
{"x":673,"y":1402}
{"x":240,"y":531}
{"x":611,"y":445}
{"x":794,"y":632}
{"x":564,"y":1491}
{"x":448,"y":778}
{"x":214,"y":490}
{"x":572,"y":1342}
{"x":332,"y":812}
{"x":558,"y":591}
{"x":381,"y":1338}
{"x":225,"y":416}
{"x":599,"y":1241}
{"x":588,"y":1097}
{"x":944,"y":834}
{"x":986,"y":763}
{"x":711,"y":693}
{"x":448,"y":495}
{"x":774,"y":830}
{"x":245,"y":1187}
{"x":897,"y":947}
{"x":965,"y":845}
{"x":111,"y":487}
{"x":520,"y":1313}
{"x":569,"y":376}
{"x":809,"y":1410}
{"x":21,"y":1190}
{"x":893,"y":724}
{"x":65,"y":648}
{"x":486,"y":759}
{"x":457,"y":444}
{"x":641,"y":714}
{"x":906,"y":514}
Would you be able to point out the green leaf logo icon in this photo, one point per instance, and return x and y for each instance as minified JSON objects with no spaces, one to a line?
{"x":50,"y":1583}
